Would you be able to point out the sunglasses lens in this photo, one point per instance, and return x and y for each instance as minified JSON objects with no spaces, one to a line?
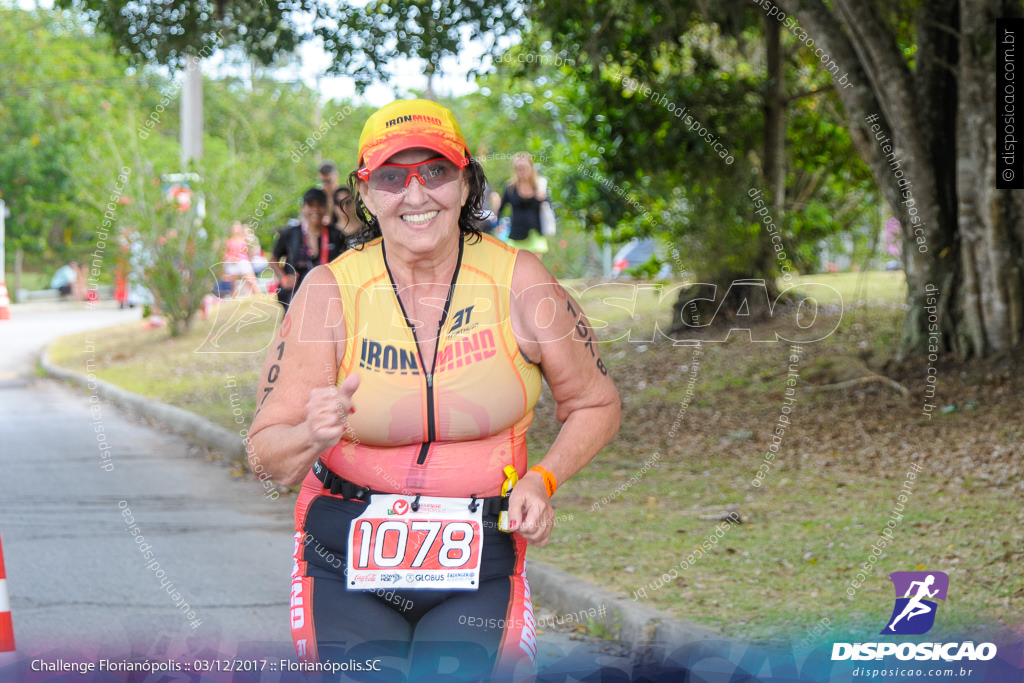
{"x":438,"y":173}
{"x":389,"y":178}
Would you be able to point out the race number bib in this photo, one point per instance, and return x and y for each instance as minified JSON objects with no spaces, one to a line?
{"x":436,"y":547}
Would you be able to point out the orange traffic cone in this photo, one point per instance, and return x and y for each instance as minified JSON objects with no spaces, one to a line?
{"x":5,"y":303}
{"x":6,"y":625}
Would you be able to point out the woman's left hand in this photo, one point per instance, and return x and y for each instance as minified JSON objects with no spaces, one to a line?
{"x":529,"y":512}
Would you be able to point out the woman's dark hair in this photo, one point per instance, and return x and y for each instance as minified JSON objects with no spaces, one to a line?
{"x":345,"y":201}
{"x":470,"y":217}
{"x":314,"y":195}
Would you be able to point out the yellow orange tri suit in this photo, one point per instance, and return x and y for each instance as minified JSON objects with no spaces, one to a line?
{"x":443,"y":426}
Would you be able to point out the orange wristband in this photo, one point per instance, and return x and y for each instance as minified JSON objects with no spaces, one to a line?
{"x":549,"y":479}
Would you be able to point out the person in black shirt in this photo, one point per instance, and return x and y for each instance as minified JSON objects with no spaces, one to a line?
{"x":301,"y":245}
{"x":329,"y":178}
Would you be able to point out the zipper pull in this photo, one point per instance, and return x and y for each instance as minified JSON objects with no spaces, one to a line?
{"x":511,"y":479}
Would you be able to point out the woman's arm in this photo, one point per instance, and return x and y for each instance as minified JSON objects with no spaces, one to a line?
{"x":506,"y":199}
{"x":280,"y":251}
{"x":553,"y":332}
{"x":300,"y":412}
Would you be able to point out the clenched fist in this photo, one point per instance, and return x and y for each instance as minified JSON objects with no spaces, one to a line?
{"x":327,"y":412}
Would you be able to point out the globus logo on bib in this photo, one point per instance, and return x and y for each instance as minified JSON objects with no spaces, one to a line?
{"x":914,"y":614}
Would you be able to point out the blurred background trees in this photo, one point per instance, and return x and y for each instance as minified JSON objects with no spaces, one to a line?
{"x":649,"y":119}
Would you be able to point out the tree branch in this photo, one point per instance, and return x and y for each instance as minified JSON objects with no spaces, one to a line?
{"x":875,"y":43}
{"x":810,"y":93}
{"x":850,"y":383}
{"x":858,"y":97}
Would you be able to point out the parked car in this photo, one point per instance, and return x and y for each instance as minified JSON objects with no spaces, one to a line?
{"x":638,"y":252}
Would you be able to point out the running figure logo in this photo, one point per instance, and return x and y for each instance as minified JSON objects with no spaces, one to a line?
{"x":914,"y":612}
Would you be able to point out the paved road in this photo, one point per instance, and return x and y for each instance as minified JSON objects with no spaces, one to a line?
{"x":76,"y":576}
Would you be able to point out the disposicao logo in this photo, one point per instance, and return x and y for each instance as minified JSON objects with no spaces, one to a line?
{"x":914,"y":614}
{"x":916,"y":592}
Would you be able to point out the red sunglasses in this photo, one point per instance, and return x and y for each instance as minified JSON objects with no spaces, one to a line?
{"x":432,"y":174}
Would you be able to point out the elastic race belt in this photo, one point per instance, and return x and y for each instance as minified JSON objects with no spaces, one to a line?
{"x":338,"y":485}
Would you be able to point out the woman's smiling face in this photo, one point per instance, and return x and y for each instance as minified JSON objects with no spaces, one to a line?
{"x":418,"y":218}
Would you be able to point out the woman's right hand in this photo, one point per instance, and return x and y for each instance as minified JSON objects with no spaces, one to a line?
{"x":327,"y":412}
{"x":287,"y":282}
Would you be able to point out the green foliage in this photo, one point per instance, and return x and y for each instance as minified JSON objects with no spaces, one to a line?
{"x":153,"y":32}
{"x":646,"y":79}
{"x":55,"y":100}
{"x":183,"y":256}
{"x":608,"y":120}
{"x":367,"y":40}
{"x":75,"y":118}
{"x":829,"y":189}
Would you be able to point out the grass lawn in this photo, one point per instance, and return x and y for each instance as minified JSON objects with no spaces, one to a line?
{"x":697,"y":423}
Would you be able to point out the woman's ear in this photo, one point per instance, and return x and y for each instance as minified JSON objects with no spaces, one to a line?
{"x":369,"y":201}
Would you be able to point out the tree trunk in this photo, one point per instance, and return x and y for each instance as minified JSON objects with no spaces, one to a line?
{"x":991,"y":221}
{"x":744,"y":298}
{"x":906,"y":142}
{"x":773,"y":170}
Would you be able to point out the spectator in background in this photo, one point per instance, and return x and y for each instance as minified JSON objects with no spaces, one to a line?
{"x":329,"y":179}
{"x":65,"y":279}
{"x":257,"y":257}
{"x":342,"y":217}
{"x":524,"y":193}
{"x":236,"y":261}
{"x":302,"y":244}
